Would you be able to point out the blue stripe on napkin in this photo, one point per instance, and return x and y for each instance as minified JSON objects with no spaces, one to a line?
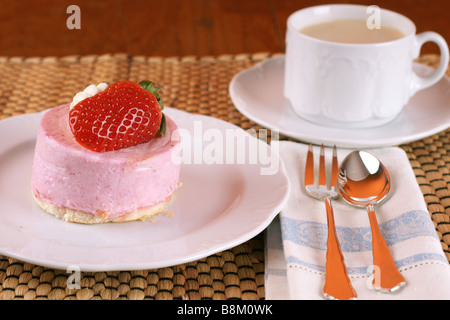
{"x":409,"y":225}
{"x":366,"y":269}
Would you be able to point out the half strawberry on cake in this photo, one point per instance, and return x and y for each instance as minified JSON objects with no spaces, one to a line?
{"x":107,"y":157}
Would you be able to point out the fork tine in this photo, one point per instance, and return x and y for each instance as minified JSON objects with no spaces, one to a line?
{"x":334,"y":168}
{"x":309,"y":167}
{"x":322,"y":174}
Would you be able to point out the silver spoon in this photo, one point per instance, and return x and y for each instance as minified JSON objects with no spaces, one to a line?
{"x":363,"y":181}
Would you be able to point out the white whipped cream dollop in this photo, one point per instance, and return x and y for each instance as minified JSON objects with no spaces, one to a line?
{"x":90,"y":91}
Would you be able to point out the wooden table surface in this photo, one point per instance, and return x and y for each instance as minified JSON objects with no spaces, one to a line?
{"x":174,"y":27}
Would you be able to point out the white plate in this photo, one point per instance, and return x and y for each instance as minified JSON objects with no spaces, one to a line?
{"x":217,"y":207}
{"x":257,"y":93}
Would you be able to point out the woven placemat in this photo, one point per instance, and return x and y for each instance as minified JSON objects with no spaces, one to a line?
{"x":197,"y":85}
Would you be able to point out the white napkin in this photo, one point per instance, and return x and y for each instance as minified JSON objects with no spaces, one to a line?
{"x":296,"y":240}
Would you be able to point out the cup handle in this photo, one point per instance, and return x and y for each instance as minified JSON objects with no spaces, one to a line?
{"x":420,"y":83}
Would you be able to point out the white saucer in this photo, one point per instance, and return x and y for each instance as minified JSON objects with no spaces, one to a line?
{"x":257,"y":93}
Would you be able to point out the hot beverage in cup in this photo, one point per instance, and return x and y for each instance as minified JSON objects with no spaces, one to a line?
{"x":339,"y":72}
{"x":351,"y":31}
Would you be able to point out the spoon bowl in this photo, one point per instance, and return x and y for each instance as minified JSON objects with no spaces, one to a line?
{"x":363,"y":181}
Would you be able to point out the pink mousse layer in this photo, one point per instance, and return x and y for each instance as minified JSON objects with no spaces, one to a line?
{"x":116,"y":182}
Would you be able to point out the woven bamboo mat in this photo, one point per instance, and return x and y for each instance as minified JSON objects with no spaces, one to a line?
{"x":197,"y":85}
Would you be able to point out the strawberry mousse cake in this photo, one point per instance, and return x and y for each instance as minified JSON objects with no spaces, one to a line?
{"x":107,"y":156}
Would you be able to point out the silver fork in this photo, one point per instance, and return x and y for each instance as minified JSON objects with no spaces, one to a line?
{"x":337,"y":283}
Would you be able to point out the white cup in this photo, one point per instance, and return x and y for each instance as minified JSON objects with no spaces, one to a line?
{"x":354,"y":85}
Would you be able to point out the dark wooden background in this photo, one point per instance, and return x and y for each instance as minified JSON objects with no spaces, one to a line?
{"x":174,"y":27}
